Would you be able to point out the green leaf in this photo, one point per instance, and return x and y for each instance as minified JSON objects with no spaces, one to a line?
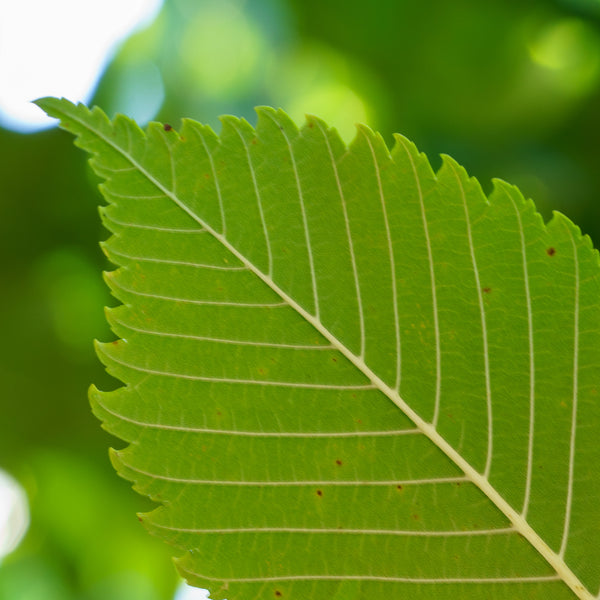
{"x":347,"y":376}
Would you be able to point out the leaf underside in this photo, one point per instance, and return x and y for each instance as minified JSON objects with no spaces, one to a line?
{"x":347,"y":376}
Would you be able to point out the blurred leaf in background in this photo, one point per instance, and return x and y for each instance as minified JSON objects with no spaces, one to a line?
{"x":510,"y":89}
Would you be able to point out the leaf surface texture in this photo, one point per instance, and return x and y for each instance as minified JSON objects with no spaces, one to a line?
{"x":347,"y":376}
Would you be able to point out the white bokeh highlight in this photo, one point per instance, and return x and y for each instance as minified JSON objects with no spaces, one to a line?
{"x":14,"y":514}
{"x":186,"y":592}
{"x":59,"y":48}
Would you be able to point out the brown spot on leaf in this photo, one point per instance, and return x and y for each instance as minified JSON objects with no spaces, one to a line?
{"x":338,"y":462}
{"x":399,"y":487}
{"x":415,"y":517}
{"x":551,"y":251}
{"x":278,"y":593}
{"x":487,"y":290}
{"x":167,"y":127}
{"x":319,"y":493}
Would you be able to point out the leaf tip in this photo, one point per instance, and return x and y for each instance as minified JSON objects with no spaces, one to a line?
{"x":57,"y":108}
{"x":48,"y":104}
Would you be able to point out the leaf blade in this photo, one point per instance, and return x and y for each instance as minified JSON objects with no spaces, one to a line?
{"x":454,"y":217}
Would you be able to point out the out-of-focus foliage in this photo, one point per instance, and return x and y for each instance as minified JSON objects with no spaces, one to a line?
{"x":510,"y":89}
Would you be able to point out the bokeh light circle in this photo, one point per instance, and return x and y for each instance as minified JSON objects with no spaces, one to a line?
{"x":14,"y":514}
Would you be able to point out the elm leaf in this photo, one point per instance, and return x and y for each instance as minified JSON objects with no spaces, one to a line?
{"x":346,"y":375}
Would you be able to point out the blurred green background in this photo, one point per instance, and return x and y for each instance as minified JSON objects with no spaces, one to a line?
{"x":510,"y":89}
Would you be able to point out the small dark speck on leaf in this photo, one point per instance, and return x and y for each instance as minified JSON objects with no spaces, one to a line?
{"x":551,"y":251}
{"x":415,"y":517}
{"x":140,"y":519}
{"x":487,"y":290}
{"x":398,"y":487}
{"x":167,"y":127}
{"x":319,"y":493}
{"x":338,"y":462}
{"x":278,"y":593}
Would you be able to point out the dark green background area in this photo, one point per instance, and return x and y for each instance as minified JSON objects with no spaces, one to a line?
{"x":510,"y":89}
